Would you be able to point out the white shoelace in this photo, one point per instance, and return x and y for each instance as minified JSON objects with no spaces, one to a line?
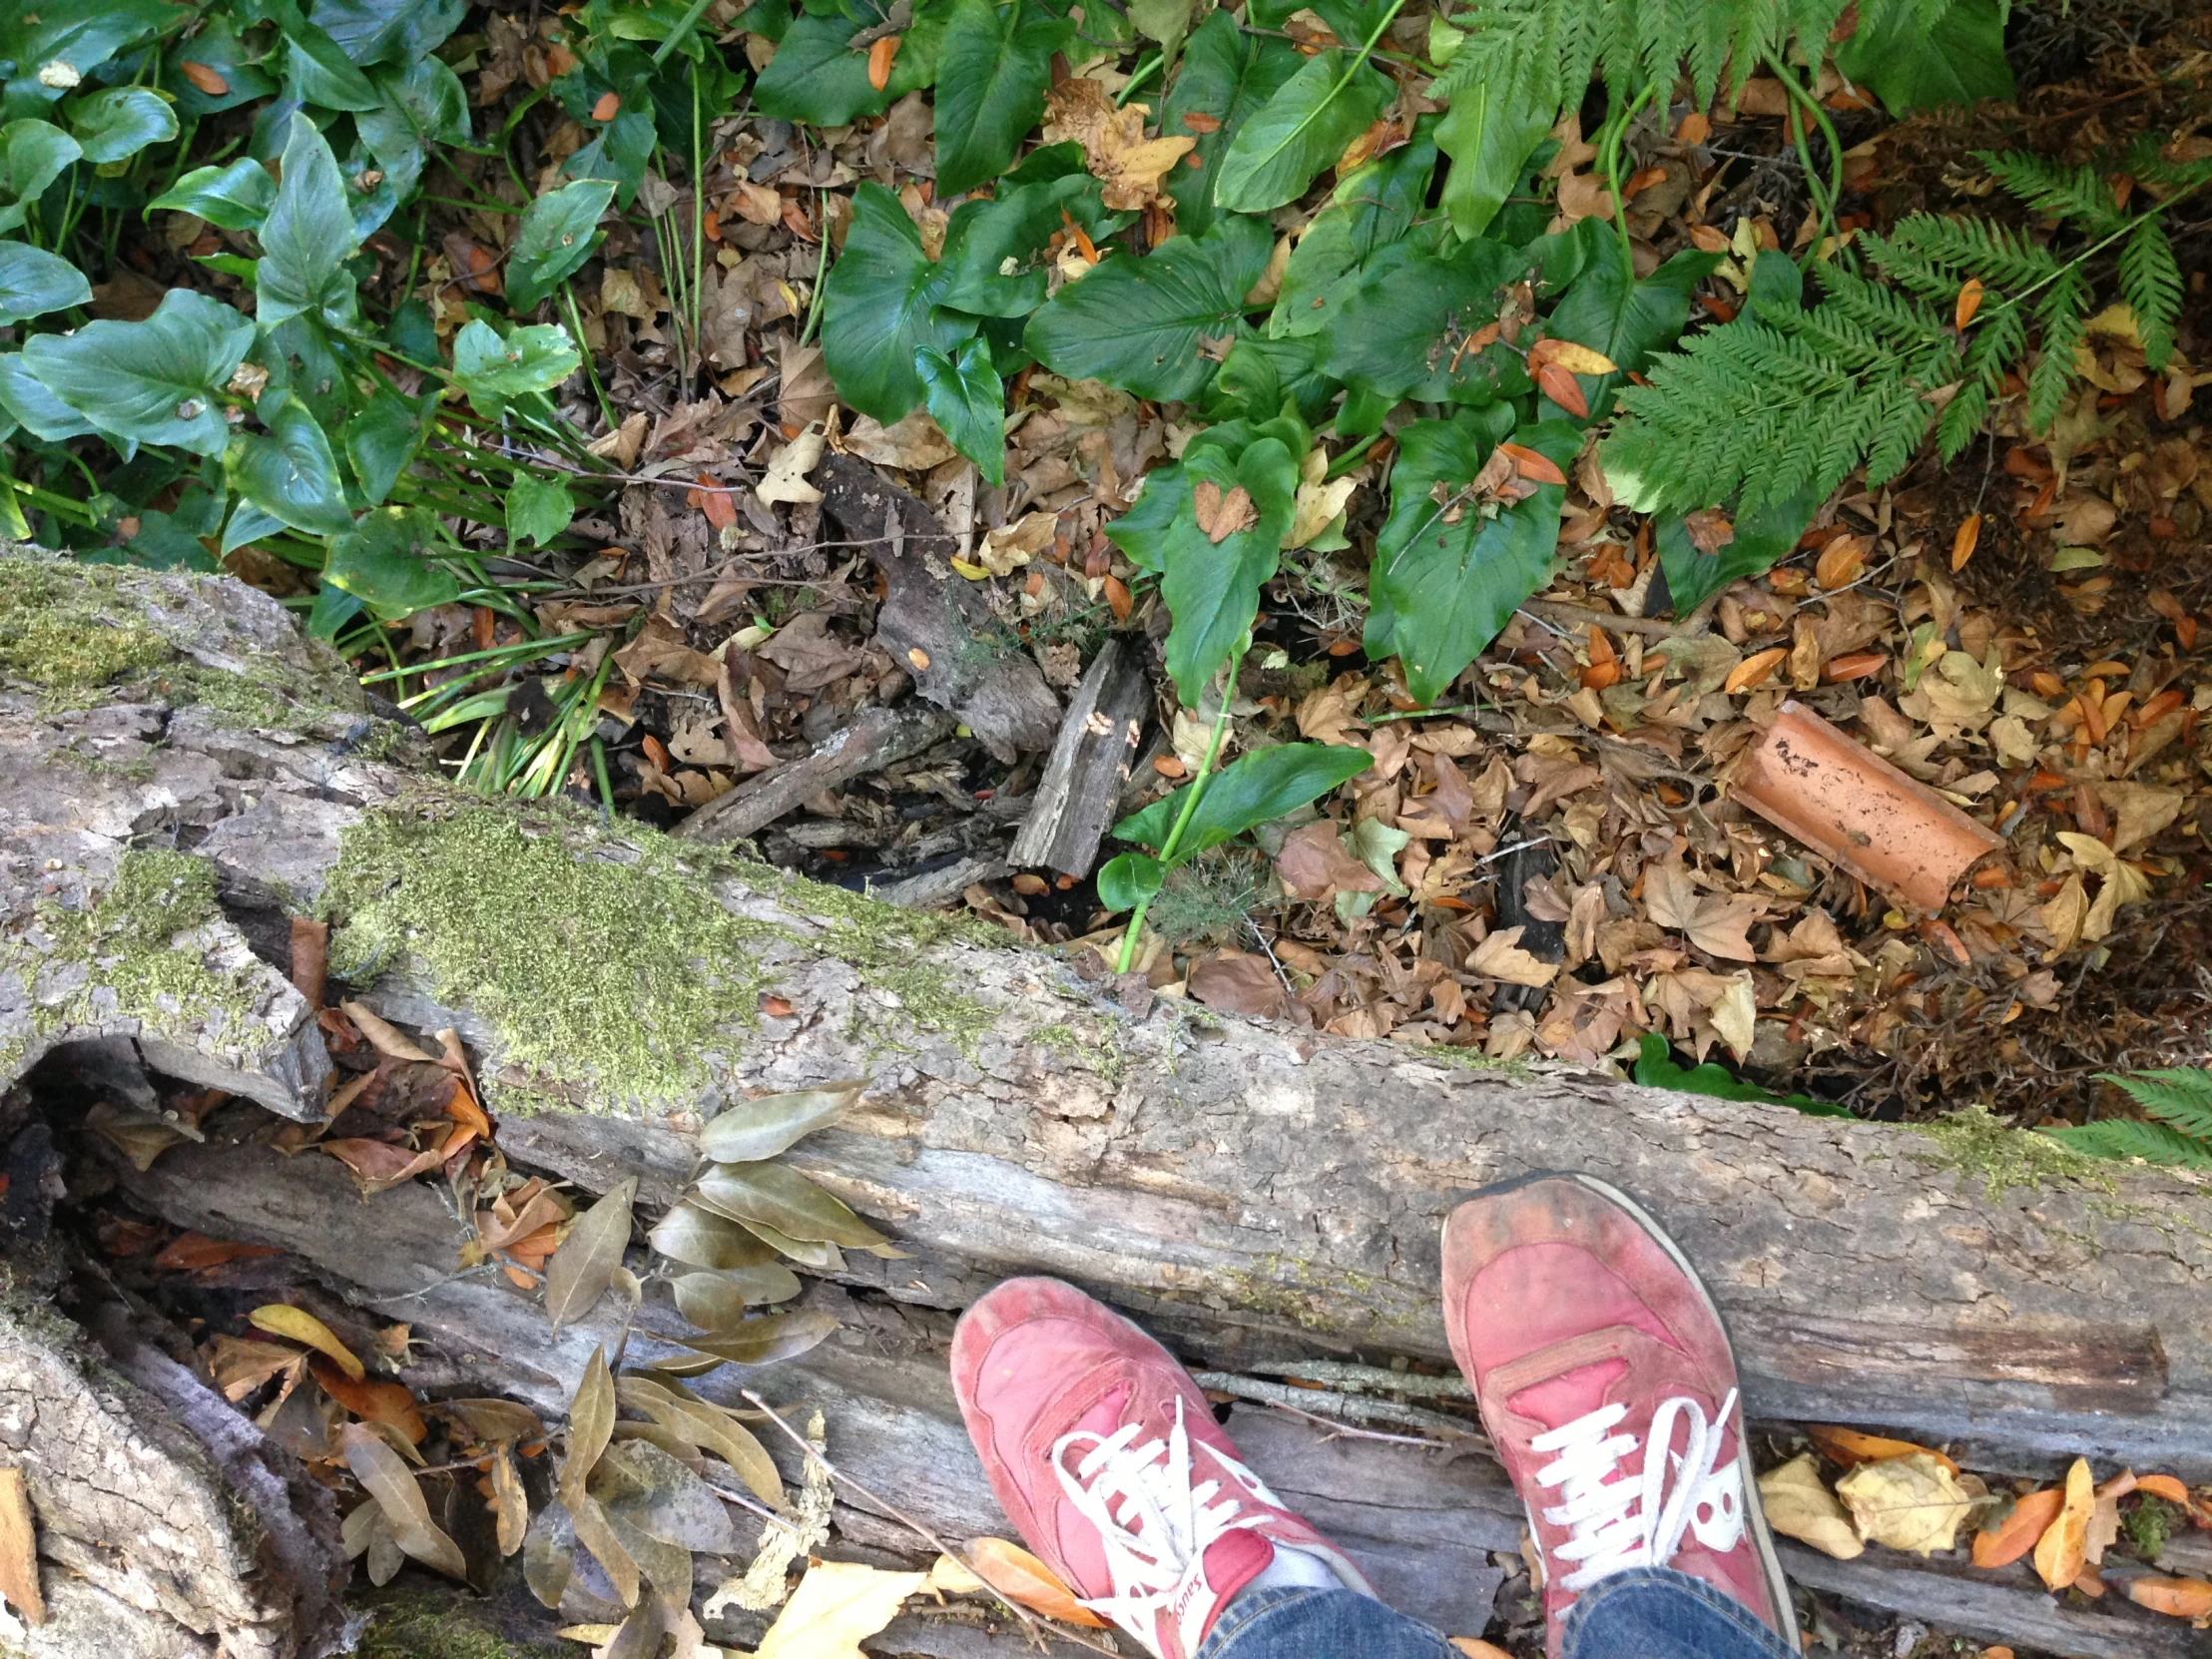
{"x":1154,"y":1522}
{"x":1639,"y":1520}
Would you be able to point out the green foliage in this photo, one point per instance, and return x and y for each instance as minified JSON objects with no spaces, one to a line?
{"x":1913,"y":64}
{"x":881,"y":308}
{"x":1379,"y":204}
{"x":1656,"y":1068}
{"x":115,"y":123}
{"x":233,"y":198}
{"x":1140,"y":323}
{"x":2178,"y":1103}
{"x":992,"y":72}
{"x":291,"y":474}
{"x":1226,"y":77}
{"x":556,"y":237}
{"x":1283,"y":145}
{"x":307,"y":239}
{"x":34,"y":282}
{"x":496,"y":369}
{"x":1489,"y":134}
{"x":156,"y":382}
{"x":1215,"y":807}
{"x":966,"y":399}
{"x":1785,"y":401}
{"x":538,"y":509}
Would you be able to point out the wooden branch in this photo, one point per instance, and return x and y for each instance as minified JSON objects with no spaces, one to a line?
{"x":1079,"y":795}
{"x":877,"y":738}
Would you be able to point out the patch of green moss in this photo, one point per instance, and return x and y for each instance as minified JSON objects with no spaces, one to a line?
{"x":409,"y":1623}
{"x":123,"y":952}
{"x":600,"y":961}
{"x":53,"y":635}
{"x":1102,"y":1052}
{"x":2149,"y":1524}
{"x":1982,"y":1146}
{"x":1473,"y":1059}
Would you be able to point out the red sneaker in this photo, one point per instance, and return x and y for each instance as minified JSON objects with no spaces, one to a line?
{"x":1605,"y":1379}
{"x":1106,"y":1457}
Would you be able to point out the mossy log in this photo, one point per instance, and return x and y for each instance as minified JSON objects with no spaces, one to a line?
{"x":171,"y":798}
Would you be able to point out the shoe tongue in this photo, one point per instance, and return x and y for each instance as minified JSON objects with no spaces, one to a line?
{"x":1559,"y":1401}
{"x":1234,"y":1560}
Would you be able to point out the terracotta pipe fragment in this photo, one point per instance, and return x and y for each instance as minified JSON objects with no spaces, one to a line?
{"x":1854,"y":808}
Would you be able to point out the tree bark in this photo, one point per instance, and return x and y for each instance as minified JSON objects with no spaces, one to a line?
{"x":1249,"y":1190}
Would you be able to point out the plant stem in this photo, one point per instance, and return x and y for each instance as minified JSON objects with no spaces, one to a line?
{"x":1190,"y":806}
{"x":698,"y":226}
{"x":821,"y":266}
{"x":1615,"y":131}
{"x":1351,"y":457}
{"x":684,"y":26}
{"x":591,"y":370}
{"x":1144,"y":72}
{"x":1824,"y":201}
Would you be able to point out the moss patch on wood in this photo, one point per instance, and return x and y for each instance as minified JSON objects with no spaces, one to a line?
{"x":1982,"y":1146}
{"x":134,"y":953}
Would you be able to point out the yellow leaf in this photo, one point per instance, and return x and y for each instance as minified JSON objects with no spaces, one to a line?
{"x":1852,"y":1446}
{"x":1579,"y":359}
{"x":1475,"y":1647}
{"x":1499,"y":956}
{"x":949,"y":1577}
{"x":1799,"y":1506}
{"x":1020,"y":1576}
{"x":280,"y":1318}
{"x":836,"y":1604}
{"x":2060,"y":1552}
{"x":1911,"y":1502}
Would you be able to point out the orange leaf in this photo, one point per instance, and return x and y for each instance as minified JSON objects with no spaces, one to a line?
{"x":190,"y":1251}
{"x":2159,"y":1486}
{"x":2015,"y":1535}
{"x":1020,"y":1576}
{"x":2184,"y":1598}
{"x":1117,"y":598}
{"x":385,"y":1403}
{"x":1852,"y":1446}
{"x":1963,"y":544}
{"x":1970,"y":301}
{"x":280,"y":1318}
{"x":608,"y":107}
{"x":1841,"y":562}
{"x":880,"y":56}
{"x":1197,"y":120}
{"x":1855,"y":666}
{"x":1537,"y":469}
{"x":1563,"y":389}
{"x":1753,"y":671}
{"x":205,"y":78}
{"x":2063,"y":1548}
{"x":715,"y":504}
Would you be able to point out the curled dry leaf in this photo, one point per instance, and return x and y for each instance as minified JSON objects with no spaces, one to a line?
{"x":382,"y":1036}
{"x":385,"y":1478}
{"x":2018,"y":1531}
{"x":701,"y":1239}
{"x":595,"y":1533}
{"x":383,"y":1403}
{"x":788,"y":467}
{"x":784,"y":1199}
{"x":836,"y":1604}
{"x":1911,"y":1502}
{"x":591,"y":1422}
{"x":756,"y":1129}
{"x":513,"y":1502}
{"x":2104,"y":1516}
{"x":1852,"y":1446}
{"x":2181,"y":1598}
{"x":280,"y":1318}
{"x":764,"y":1341}
{"x":584,"y":1266}
{"x":1020,"y":1576}
{"x":1799,"y":1505}
{"x":18,"y":1550}
{"x":2063,"y":1548}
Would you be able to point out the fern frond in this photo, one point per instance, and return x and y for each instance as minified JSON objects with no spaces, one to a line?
{"x":1931,"y":254}
{"x":2077,"y":195}
{"x":2122,"y":1139}
{"x":2177,"y":1095}
{"x":2152,"y":283}
{"x":2062,"y":313}
{"x":1960,"y":421}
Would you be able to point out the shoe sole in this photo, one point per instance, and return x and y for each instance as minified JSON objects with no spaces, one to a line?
{"x":1770,"y":1562}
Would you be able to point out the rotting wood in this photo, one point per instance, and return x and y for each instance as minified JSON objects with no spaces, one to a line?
{"x":878,"y":737}
{"x":1252,"y":1191}
{"x":1079,"y":795}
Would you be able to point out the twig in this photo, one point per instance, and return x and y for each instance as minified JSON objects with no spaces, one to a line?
{"x":1034,"y":1626}
{"x":744,"y":1502}
{"x":1371,"y":1379}
{"x":1580,"y":616}
{"x":1281,"y":1397}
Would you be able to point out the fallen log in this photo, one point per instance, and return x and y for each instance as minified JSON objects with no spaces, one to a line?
{"x":180,"y":774}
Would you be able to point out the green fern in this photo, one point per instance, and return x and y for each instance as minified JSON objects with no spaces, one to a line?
{"x":1782,"y":400}
{"x":2177,"y":1099}
{"x":1549,"y":50}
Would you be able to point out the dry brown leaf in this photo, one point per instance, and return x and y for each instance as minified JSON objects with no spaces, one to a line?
{"x":513,"y":1501}
{"x":591,"y":1424}
{"x":1114,"y":146}
{"x":2181,"y":1598}
{"x":19,"y":1549}
{"x":1911,"y":1502}
{"x":280,"y":1318}
{"x":385,"y":1403}
{"x":1817,"y":936}
{"x":1799,"y":1505}
{"x":584,"y":1266}
{"x":2062,"y":1549}
{"x":386,"y":1480}
{"x":240,"y":1364}
{"x":1314,"y":864}
{"x":386,"y":1038}
{"x":835,"y":1606}
{"x":1499,"y":956}
{"x":2013,"y":1536}
{"x":2104,"y":1516}
{"x":1231,"y":982}
{"x":1020,"y":1576}
{"x":1222,"y":516}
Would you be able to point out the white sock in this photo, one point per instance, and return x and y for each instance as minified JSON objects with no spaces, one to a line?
{"x":1293,"y":1569}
